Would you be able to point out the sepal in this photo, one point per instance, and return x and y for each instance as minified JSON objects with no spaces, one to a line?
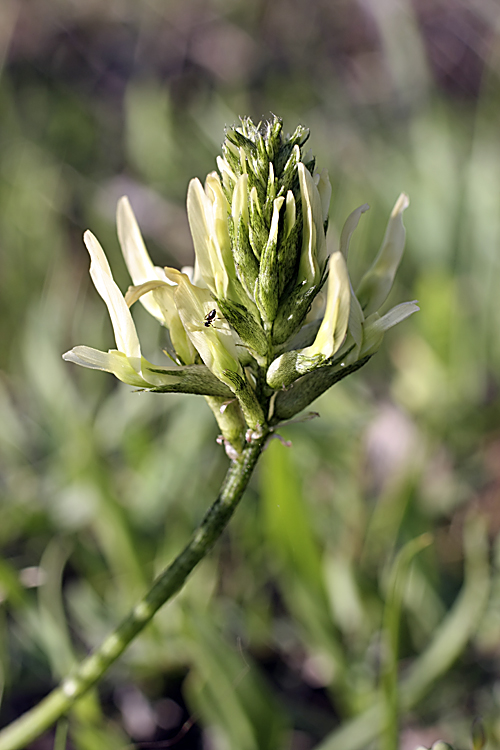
{"x":139,"y":264}
{"x":250,"y":406}
{"x":309,"y":387}
{"x":245,"y":325}
{"x":349,"y":227}
{"x":292,"y":311}
{"x":267,"y":285}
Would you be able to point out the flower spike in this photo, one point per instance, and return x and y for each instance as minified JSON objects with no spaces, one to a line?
{"x":246,"y":326}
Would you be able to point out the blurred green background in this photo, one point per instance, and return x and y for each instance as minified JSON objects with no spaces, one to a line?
{"x":323,"y":594}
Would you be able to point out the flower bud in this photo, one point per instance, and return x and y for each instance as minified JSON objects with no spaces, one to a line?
{"x":267,"y":285}
{"x":207,"y":215}
{"x":313,"y":254}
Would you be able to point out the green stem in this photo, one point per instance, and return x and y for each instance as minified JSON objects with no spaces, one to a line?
{"x":31,"y":725}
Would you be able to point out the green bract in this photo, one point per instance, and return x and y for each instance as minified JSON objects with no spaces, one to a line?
{"x":243,"y":329}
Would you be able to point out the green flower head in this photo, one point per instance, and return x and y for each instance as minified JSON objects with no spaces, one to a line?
{"x":248,"y":327}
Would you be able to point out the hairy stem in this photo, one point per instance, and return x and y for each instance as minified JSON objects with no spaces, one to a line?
{"x":31,"y":724}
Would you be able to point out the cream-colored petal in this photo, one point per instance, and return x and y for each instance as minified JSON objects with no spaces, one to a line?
{"x":194,"y":275}
{"x":113,"y":361}
{"x":356,"y":320}
{"x":201,"y":231}
{"x":240,"y":199}
{"x":350,"y":225}
{"x":214,"y":343}
{"x":221,"y":256}
{"x":135,"y":293}
{"x":325,"y":192}
{"x":290,"y":213}
{"x":165,"y":298}
{"x":208,"y":217}
{"x":375,"y":326}
{"x":395,"y":315}
{"x":333,"y":327}
{"x":313,"y":253}
{"x":308,"y":266}
{"x":163,"y":294}
{"x":273,"y":229}
{"x":121,"y":319}
{"x":228,"y":176}
{"x":135,"y":254}
{"x":377,"y":282}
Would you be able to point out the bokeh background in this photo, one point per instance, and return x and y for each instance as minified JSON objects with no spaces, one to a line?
{"x":368,"y":552}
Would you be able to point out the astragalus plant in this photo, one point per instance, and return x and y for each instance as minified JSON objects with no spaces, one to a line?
{"x":262,"y":324}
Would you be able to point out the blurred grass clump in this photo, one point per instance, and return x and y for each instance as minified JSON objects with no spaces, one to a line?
{"x":356,"y":598}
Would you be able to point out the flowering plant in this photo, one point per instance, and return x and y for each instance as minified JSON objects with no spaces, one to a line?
{"x":262,"y":325}
{"x":265,"y":321}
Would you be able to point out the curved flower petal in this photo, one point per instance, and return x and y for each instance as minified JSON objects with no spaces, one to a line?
{"x":333,"y":327}
{"x":375,"y":326}
{"x":163,"y":294}
{"x":204,"y":209}
{"x":313,"y":254}
{"x":239,"y":206}
{"x":214,"y":342}
{"x":135,"y":293}
{"x":198,"y":225}
{"x":113,"y":361}
{"x":290,"y":214}
{"x":193,"y":379}
{"x":228,"y":176}
{"x":139,"y":264}
{"x":350,"y":225}
{"x":325,"y":191}
{"x":356,"y":320}
{"x":121,"y":319}
{"x":267,"y":286}
{"x":377,"y":282}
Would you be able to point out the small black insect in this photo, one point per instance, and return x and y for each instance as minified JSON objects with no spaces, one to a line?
{"x":209,"y":318}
